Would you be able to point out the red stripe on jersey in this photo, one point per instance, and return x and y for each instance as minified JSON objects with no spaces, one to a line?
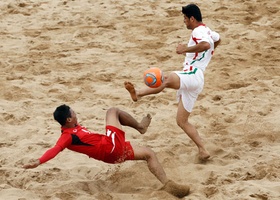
{"x":196,"y":42}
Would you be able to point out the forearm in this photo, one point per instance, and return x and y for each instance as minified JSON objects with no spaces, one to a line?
{"x":48,"y":155}
{"x":200,"y":47}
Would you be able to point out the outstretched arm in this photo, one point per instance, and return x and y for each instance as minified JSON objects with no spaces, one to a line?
{"x":49,"y":154}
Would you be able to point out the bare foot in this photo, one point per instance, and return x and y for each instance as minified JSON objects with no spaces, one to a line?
{"x":144,"y":124}
{"x":176,"y":189}
{"x":203,"y":155}
{"x":130,"y":88}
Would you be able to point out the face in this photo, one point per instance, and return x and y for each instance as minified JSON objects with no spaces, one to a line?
{"x":188,"y":22}
{"x":73,"y":119}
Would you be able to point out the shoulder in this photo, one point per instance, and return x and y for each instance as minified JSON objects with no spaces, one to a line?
{"x":64,"y":140}
{"x":65,"y":137}
{"x":210,"y":31}
{"x":202,"y":29}
{"x":206,"y":32}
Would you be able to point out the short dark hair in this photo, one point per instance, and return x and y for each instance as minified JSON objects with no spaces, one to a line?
{"x":61,"y":114}
{"x":192,"y":10}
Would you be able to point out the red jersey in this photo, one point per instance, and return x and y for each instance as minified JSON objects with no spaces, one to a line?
{"x":110,"y":148}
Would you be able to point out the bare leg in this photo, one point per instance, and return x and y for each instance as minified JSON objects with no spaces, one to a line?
{"x":189,"y":129}
{"x":127,"y":120}
{"x":145,"y":153}
{"x":117,"y":118}
{"x":137,"y":94}
{"x":170,"y":81}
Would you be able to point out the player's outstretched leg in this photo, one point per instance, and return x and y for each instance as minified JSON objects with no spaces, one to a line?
{"x":146,"y":153}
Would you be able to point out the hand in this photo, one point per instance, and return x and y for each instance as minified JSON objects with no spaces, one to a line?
{"x":33,"y":163}
{"x":181,"y":49}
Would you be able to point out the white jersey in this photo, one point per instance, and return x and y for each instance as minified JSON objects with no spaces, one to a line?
{"x":202,"y":59}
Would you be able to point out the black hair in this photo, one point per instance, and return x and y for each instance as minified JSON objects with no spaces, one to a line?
{"x":192,"y":10}
{"x":61,"y":114}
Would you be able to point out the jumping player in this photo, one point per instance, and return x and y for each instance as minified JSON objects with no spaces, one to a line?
{"x":190,"y":81}
{"x":111,"y":147}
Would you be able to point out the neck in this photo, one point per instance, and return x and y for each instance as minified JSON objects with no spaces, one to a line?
{"x":69,"y":126}
{"x":198,"y":24}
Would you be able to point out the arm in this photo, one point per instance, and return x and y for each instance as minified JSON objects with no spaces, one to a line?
{"x":200,"y":47}
{"x":48,"y":155}
{"x":217,"y":43}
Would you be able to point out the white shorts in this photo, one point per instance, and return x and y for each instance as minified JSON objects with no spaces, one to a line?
{"x":191,"y":84}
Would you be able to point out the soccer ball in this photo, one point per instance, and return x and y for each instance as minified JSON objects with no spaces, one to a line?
{"x":153,"y":77}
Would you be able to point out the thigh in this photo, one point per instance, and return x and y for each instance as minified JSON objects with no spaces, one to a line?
{"x":173,"y":81}
{"x":112,"y":118}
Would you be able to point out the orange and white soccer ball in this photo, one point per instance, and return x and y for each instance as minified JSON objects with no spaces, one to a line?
{"x":153,"y":77}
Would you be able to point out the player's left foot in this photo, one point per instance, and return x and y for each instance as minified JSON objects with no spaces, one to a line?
{"x":145,"y":124}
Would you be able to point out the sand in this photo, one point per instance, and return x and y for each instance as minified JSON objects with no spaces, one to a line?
{"x":81,"y":52}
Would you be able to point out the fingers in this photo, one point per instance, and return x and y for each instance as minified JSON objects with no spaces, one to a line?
{"x":29,"y":166}
{"x":32,"y":164}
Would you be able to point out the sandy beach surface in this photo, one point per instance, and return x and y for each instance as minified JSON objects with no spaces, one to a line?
{"x":81,"y":52}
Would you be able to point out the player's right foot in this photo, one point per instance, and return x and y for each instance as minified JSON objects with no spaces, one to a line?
{"x":130,"y":88}
{"x":176,"y":189}
{"x":203,"y":155}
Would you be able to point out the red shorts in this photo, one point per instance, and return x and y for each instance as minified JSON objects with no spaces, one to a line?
{"x":121,"y":150}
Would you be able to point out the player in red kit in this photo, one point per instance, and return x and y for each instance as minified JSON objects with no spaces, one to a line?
{"x":110,"y":147}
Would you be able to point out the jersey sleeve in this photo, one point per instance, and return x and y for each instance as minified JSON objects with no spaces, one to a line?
{"x":200,"y":35}
{"x":215,"y":36}
{"x":49,"y":154}
{"x":61,"y":144}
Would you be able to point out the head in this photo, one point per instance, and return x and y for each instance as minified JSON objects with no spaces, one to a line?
{"x":65,"y":116}
{"x":192,"y":16}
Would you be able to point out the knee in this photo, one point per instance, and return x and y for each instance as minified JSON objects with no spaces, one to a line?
{"x":149,"y":154}
{"x":181,"y":122}
{"x":112,"y":110}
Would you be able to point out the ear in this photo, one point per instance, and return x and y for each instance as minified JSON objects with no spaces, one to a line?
{"x":69,"y":119}
{"x":192,"y":19}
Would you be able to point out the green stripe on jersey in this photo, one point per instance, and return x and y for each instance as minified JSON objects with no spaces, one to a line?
{"x":203,"y":55}
{"x":193,"y":72}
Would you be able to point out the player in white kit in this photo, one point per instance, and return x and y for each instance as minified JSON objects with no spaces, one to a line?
{"x":190,"y":81}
